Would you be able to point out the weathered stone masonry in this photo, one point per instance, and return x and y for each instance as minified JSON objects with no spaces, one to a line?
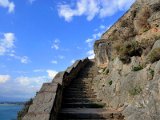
{"x":47,"y":102}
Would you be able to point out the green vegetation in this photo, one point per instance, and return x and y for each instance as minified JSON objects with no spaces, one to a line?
{"x":124,"y":23}
{"x":156,"y":7}
{"x":145,"y":30}
{"x":25,"y":109}
{"x":137,"y":68}
{"x":129,"y":49}
{"x":135,"y":91}
{"x":154,"y":55}
{"x":151,"y":72}
{"x":141,"y":24}
{"x":106,"y":71}
{"x":110,"y":82}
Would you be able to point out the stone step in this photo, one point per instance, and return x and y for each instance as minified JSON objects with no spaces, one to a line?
{"x":81,"y":119}
{"x":86,"y":73}
{"x":89,"y":113}
{"x":83,"y":105}
{"x":78,"y":92}
{"x":79,"y":89}
{"x":81,"y":79}
{"x":82,"y":82}
{"x":81,"y":99}
{"x":79,"y":85}
{"x":85,"y":76}
{"x":80,"y":96}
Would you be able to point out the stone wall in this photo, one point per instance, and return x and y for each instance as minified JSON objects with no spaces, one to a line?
{"x":47,"y":102}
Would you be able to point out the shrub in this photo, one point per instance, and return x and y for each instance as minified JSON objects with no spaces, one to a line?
{"x":124,"y":23}
{"x":141,"y":22}
{"x":106,"y":71}
{"x":154,"y":55}
{"x":25,"y":109}
{"x":137,"y":68}
{"x":117,"y":45}
{"x":156,"y":7}
{"x":129,"y":49}
{"x":125,"y":59}
{"x":110,"y":82}
{"x":135,"y":91}
{"x":151,"y":72}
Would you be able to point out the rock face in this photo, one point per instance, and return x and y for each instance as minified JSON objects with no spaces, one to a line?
{"x":128,"y":57}
{"x":140,"y":24}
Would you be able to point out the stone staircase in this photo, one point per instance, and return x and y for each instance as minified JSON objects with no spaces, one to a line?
{"x":80,"y":102}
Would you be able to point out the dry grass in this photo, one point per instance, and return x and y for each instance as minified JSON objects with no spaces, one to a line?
{"x":129,"y":49}
{"x":156,"y":7}
{"x":140,"y":22}
{"x":154,"y":55}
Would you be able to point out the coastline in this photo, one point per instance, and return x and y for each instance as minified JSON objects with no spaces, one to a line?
{"x":7,"y":104}
{"x":11,"y":103}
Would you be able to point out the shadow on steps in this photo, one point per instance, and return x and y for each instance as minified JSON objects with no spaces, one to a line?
{"x":80,"y":102}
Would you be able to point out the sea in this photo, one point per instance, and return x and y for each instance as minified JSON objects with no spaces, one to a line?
{"x":9,"y":111}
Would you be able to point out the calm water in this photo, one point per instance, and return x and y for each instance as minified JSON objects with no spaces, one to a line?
{"x":9,"y":112}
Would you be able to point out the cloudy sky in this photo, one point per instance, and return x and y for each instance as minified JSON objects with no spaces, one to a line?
{"x":39,"y":38}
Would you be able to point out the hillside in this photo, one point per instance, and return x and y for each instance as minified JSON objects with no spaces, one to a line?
{"x":128,"y":57}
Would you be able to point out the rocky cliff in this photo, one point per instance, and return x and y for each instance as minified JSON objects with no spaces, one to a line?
{"x":128,"y":57}
{"x":128,"y":78}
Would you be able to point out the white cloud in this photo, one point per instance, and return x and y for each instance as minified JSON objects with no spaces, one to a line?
{"x":4,"y":78}
{"x":55,"y":44}
{"x":38,"y":70}
{"x":91,"y":8}
{"x":38,"y":80}
{"x":24,"y":80}
{"x":51,"y":73}
{"x":6,"y":43}
{"x":54,"y":62}
{"x":7,"y":47}
{"x":32,"y":81}
{"x":61,"y":57}
{"x":25,"y":87}
{"x":73,"y":61}
{"x":78,"y":47}
{"x":91,"y":54}
{"x":31,"y":1}
{"x":98,"y":32}
{"x":89,"y":40}
{"x":31,"y":84}
{"x":83,"y":7}
{"x":22,"y":59}
{"x":102,"y":27}
{"x":7,"y":4}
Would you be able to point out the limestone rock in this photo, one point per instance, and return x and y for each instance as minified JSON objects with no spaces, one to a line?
{"x":132,"y":88}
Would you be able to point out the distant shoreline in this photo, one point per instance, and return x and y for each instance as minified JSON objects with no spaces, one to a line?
{"x":12,"y":103}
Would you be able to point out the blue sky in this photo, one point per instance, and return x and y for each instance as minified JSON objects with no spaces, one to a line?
{"x":39,"y":38}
